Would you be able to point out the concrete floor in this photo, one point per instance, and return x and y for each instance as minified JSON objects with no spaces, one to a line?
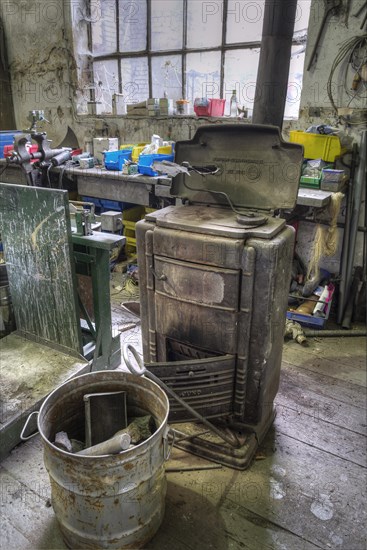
{"x":305,"y":489}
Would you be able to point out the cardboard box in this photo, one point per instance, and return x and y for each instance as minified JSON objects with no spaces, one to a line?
{"x":104,"y":144}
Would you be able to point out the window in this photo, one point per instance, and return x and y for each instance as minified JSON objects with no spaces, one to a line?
{"x":184,"y":49}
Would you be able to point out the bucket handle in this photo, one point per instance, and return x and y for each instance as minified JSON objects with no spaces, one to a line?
{"x":141,"y":369}
{"x":22,"y":436}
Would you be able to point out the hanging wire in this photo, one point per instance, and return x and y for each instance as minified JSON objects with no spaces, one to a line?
{"x":349,"y":49}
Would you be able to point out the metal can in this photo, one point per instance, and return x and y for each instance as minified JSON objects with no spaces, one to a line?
{"x":112,"y":501}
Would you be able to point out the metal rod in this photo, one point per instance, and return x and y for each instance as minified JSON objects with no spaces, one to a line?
{"x":307,"y":299}
{"x":347,"y":319}
{"x":194,"y":468}
{"x":230,"y":438}
{"x":344,"y":253}
{"x":357,"y":196}
{"x":332,"y":333}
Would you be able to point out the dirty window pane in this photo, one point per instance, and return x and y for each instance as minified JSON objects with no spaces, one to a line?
{"x":133,"y":25}
{"x":103,"y":19}
{"x":167,"y":24}
{"x":203,"y":75}
{"x":302,"y":15}
{"x":244,"y":21}
{"x":166,"y":74}
{"x":105,"y":84}
{"x":204,"y":23}
{"x":134,"y":76}
{"x":240,"y":73}
{"x":295,"y":82}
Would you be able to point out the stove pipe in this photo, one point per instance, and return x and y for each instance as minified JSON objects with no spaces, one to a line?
{"x":275,"y":55}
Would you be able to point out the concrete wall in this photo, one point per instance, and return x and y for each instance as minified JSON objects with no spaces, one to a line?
{"x":48,"y":74}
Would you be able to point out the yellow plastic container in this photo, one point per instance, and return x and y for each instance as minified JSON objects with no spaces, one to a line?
{"x":129,"y":218}
{"x":165,"y":150}
{"x":127,"y":146}
{"x":318,"y":146}
{"x":137,"y":149}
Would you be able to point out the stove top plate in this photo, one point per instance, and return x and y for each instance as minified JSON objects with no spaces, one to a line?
{"x":213,"y":220}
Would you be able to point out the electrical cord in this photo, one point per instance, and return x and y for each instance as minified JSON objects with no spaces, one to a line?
{"x":3,"y":168}
{"x":348,"y":48}
{"x":63,"y":167}
{"x":48,"y":175}
{"x":206,"y":170}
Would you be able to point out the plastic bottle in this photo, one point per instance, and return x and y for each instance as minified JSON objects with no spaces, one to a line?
{"x":233,"y":105}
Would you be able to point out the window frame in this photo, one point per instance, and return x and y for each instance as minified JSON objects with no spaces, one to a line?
{"x":183,"y":52}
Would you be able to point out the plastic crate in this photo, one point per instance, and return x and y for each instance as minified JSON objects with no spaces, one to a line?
{"x":103,"y":205}
{"x":309,"y":182}
{"x":114,"y":160}
{"x":311,"y":321}
{"x":318,"y":146}
{"x":137,"y":149}
{"x":7,"y":138}
{"x":146,"y":161}
{"x":8,"y":150}
{"x":129,"y":219}
{"x":214,"y":108}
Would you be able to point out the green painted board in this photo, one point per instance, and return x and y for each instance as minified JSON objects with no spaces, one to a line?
{"x":36,"y":234}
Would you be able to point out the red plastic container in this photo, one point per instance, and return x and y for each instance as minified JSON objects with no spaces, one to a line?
{"x":8,"y":149}
{"x":215,"y":108}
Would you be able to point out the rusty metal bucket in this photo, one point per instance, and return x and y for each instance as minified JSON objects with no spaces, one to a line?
{"x":112,"y":501}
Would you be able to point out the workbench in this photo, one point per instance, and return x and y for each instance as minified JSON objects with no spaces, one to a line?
{"x":116,"y":186}
{"x":105,"y":184}
{"x":138,"y":189}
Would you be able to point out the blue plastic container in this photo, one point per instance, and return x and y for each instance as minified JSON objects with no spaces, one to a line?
{"x":102,"y":205}
{"x":114,"y":160}
{"x":146,"y":161}
{"x":7,"y":138}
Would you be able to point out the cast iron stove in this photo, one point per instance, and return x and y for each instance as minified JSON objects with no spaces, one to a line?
{"x":214,"y":277}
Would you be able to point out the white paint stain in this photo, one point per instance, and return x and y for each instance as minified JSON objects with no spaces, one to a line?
{"x":323,"y":508}
{"x":277,"y":491}
{"x":278,"y":470}
{"x":336,"y":540}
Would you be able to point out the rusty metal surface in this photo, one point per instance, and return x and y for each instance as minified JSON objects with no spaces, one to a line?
{"x":212,"y":221}
{"x":256,"y":168}
{"x":242,"y":316}
{"x":114,"y":501}
{"x":192,"y":380}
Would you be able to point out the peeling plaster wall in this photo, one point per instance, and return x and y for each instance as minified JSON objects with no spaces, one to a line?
{"x":338,"y":29}
{"x":47,"y":73}
{"x":41,"y":62}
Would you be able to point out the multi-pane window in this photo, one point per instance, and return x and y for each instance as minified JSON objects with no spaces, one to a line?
{"x":185,"y":49}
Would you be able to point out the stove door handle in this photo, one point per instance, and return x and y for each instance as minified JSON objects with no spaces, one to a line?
{"x":162,"y":277}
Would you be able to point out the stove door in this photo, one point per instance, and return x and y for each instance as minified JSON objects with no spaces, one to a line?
{"x":197,"y":304}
